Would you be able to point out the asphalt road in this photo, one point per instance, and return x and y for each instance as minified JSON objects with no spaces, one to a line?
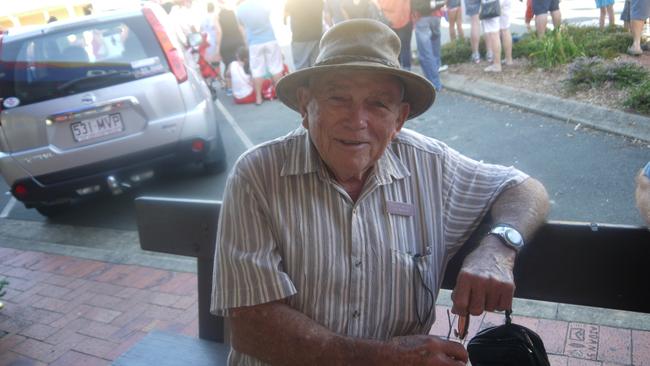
{"x":589,"y":174}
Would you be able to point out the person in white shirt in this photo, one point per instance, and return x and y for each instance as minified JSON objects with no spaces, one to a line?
{"x":243,"y":90}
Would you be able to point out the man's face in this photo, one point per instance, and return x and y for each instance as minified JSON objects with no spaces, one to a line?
{"x":351,"y":118}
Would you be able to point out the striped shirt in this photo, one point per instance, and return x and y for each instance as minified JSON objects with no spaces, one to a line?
{"x":288,"y":230}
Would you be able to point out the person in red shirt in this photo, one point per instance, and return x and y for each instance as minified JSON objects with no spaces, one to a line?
{"x":398,"y":13}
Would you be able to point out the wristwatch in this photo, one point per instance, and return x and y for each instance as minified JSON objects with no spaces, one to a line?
{"x":508,"y":235}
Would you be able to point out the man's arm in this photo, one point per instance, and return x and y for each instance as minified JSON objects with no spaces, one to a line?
{"x":280,"y":335}
{"x":485,"y":281}
{"x":642,"y":194}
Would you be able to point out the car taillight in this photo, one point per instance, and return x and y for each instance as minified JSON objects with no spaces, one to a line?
{"x":20,"y":191}
{"x":174,"y":56}
{"x":198,"y":145}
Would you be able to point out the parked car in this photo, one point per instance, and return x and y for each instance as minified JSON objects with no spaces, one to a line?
{"x":99,"y":104}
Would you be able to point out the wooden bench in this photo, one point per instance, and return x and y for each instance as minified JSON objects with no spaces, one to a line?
{"x":574,"y":263}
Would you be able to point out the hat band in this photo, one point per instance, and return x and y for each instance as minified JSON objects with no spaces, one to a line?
{"x":340,"y":60}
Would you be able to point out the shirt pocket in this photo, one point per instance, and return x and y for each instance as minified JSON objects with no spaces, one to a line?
{"x":412,"y":286}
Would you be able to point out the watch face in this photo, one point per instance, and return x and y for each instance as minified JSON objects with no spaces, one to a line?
{"x":514,"y":237}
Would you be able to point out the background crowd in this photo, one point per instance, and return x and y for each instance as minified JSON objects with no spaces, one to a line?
{"x":243,"y":42}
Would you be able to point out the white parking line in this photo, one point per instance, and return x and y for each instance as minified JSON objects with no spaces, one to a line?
{"x":231,"y":120}
{"x":8,"y":207}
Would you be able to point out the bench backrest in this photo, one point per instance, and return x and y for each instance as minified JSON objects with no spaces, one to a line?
{"x":573,"y":263}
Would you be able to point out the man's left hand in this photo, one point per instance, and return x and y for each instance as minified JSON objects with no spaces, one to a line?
{"x":485,"y":281}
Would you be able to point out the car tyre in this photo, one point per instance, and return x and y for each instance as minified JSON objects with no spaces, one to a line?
{"x":52,"y":210}
{"x":216,"y":162}
{"x":215,"y":167}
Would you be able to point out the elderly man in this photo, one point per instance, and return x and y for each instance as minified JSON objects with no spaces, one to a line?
{"x":333,"y":240}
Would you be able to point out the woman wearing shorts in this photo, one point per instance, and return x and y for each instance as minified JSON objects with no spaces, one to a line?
{"x":455,"y":18}
{"x":492,"y":28}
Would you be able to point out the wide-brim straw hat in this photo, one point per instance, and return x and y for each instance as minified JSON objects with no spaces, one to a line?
{"x":355,"y":45}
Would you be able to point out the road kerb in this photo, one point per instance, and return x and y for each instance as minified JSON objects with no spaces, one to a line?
{"x":614,"y":121}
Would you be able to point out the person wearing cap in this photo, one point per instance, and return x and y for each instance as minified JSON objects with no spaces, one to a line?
{"x":333,"y":239}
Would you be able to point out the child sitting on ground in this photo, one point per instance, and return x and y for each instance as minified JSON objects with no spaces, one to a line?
{"x":242,"y":82}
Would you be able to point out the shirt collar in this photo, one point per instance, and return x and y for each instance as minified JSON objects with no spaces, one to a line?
{"x":303,"y":158}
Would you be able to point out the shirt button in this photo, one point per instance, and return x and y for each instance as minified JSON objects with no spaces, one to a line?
{"x":357,"y":263}
{"x":356,"y":314}
{"x":354,"y":211}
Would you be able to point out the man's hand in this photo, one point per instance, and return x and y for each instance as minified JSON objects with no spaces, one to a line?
{"x":280,"y":335}
{"x":428,"y":350}
{"x":485,"y":281}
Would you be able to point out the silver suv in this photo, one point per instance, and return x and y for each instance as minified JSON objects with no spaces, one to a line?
{"x":99,"y":104}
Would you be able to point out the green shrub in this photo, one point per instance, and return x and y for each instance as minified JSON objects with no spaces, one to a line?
{"x":555,"y":48}
{"x":459,"y":51}
{"x":605,"y":44}
{"x":586,"y":72}
{"x":456,"y":52}
{"x":609,"y":45}
{"x":525,"y":46}
{"x":561,"y":47}
{"x":639,"y":98}
{"x":626,"y":74}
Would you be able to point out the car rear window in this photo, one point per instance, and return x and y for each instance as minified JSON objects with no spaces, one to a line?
{"x":88,"y":57}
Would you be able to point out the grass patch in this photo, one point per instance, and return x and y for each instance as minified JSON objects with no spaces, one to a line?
{"x":557,"y":47}
{"x":639,"y":98}
{"x":570,"y":42}
{"x":591,"y":72}
{"x":459,"y":51}
{"x":606,"y":44}
{"x":554,"y":49}
{"x":586,"y":72}
{"x":524,"y":46}
{"x":626,"y":74}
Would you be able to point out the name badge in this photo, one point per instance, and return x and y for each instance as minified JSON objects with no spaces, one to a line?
{"x":400,"y":208}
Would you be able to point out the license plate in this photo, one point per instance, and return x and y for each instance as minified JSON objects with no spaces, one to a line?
{"x":94,"y":128}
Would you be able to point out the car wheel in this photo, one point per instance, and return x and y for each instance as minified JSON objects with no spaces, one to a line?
{"x":52,"y":210}
{"x":214,"y":167}
{"x":216,"y":161}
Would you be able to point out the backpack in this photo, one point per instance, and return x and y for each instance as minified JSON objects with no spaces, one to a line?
{"x":507,"y":345}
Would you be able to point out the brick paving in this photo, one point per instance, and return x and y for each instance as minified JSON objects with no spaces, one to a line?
{"x":68,"y":311}
{"x":65,"y":311}
{"x":568,"y":343}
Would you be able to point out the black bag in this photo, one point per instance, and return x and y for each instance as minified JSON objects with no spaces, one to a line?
{"x":489,"y":9}
{"x":507,"y":345}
